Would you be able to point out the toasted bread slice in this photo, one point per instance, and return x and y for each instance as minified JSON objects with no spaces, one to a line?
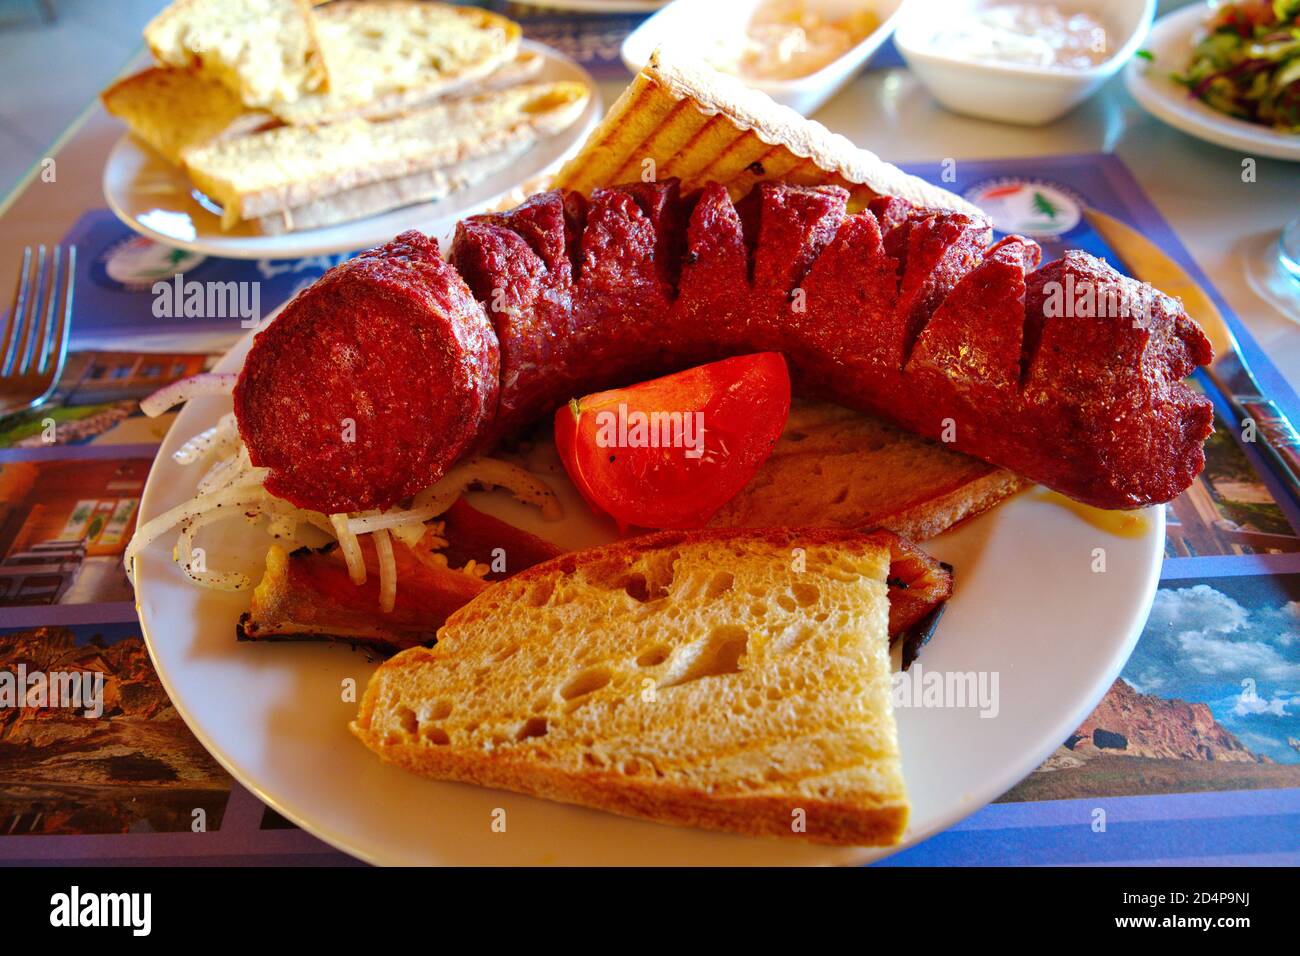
{"x":373,"y":198}
{"x":289,"y":167}
{"x":172,"y":110}
{"x":264,"y":51}
{"x":836,"y":468}
{"x":734,"y":680}
{"x":388,"y":56}
{"x":700,"y":125}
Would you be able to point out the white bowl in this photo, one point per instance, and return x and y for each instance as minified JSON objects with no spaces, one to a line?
{"x":1010,"y":92}
{"x":693,"y":28}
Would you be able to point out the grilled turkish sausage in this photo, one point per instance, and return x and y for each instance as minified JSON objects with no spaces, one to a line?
{"x":904,"y":312}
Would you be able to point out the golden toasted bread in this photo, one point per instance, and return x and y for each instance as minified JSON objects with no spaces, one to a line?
{"x":734,"y":680}
{"x":283,"y":169}
{"x":173,"y":109}
{"x":385,"y":57}
{"x":264,"y":51}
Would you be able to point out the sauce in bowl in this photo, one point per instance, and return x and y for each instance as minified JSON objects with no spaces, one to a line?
{"x":1040,"y":35}
{"x":790,"y":39}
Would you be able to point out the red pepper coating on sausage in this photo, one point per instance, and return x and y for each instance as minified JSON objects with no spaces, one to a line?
{"x":371,"y":382}
{"x":901,"y":311}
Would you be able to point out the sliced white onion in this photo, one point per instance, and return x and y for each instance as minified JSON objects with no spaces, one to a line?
{"x":351,"y":548}
{"x":524,"y":485}
{"x":283,"y":528}
{"x":387,"y":571}
{"x":231,"y":501}
{"x":194,"y":449}
{"x":205,"y":383}
{"x":280,"y":507}
{"x":218,"y":580}
{"x":207,"y":442}
{"x":225,"y":473}
{"x":441,"y":495}
{"x":410,"y":533}
{"x":233,"y":487}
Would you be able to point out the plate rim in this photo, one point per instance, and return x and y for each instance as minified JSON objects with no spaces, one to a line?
{"x":1192,"y":117}
{"x":971,"y":801}
{"x":297,"y":245}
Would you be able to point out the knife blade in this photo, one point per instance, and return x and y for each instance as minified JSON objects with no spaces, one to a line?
{"x":1261,"y":420}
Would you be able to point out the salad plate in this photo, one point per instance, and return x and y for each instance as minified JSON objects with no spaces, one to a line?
{"x":1171,"y":48}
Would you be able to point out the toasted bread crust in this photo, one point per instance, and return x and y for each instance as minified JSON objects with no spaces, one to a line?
{"x":834,"y":823}
{"x":869,"y":474}
{"x":942,"y":508}
{"x":701,"y":125}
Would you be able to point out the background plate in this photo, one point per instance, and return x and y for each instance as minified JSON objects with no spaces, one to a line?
{"x":157,"y":200}
{"x":1171,"y":42}
{"x":1028,"y":607}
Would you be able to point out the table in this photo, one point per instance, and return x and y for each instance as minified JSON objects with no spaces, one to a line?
{"x":1197,"y":187}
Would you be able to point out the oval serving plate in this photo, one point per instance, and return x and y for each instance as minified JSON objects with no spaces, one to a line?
{"x":1027,"y":608}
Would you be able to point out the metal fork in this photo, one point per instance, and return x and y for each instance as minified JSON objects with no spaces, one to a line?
{"x":34,"y":346}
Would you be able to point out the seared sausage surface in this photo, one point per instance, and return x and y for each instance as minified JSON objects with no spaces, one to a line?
{"x":904,"y":312}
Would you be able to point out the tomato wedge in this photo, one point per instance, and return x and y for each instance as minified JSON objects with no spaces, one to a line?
{"x":670,"y":452}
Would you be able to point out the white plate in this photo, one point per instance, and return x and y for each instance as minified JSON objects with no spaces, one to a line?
{"x":1171,"y":42}
{"x":1027,"y":606}
{"x":157,"y":200}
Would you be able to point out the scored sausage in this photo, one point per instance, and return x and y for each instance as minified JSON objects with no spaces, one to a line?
{"x":905,"y":312}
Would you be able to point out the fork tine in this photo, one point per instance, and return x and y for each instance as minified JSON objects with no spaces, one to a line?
{"x":58,"y":348}
{"x":42,"y":292}
{"x":42,"y":341}
{"x":16,"y":313}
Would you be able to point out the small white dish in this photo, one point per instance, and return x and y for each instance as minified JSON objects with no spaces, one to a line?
{"x":158,"y":201}
{"x":1012,"y":92}
{"x":1029,"y":613}
{"x":1170,"y":44}
{"x":695,"y":27}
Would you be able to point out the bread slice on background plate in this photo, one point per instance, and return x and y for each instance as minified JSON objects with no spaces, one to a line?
{"x":732,"y":680}
{"x":264,"y":51}
{"x":836,"y":468}
{"x":289,"y":167}
{"x":386,"y":56}
{"x":172,"y":110}
{"x":427,"y":185}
